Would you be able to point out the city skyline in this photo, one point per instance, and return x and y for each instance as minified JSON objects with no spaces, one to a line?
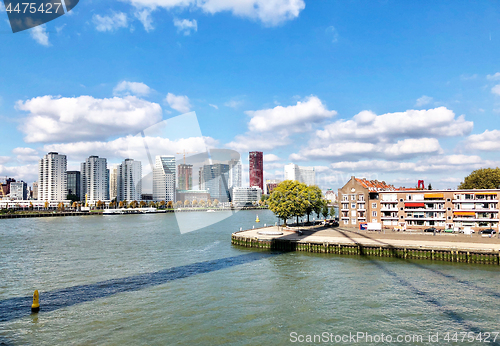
{"x":330,"y":92}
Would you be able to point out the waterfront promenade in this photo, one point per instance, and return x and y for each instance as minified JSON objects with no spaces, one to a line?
{"x":446,"y":247}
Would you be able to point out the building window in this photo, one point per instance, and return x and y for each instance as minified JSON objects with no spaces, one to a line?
{"x":401,"y":200}
{"x":402,"y":208}
{"x":353,"y":213}
{"x":346,"y":222}
{"x":402,"y":217}
{"x":449,"y":208}
{"x":374,"y":205}
{"x":353,"y":221}
{"x":374,"y":220}
{"x":361,"y":198}
{"x":449,"y":217}
{"x":353,"y":197}
{"x":353,"y":205}
{"x":448,"y":200}
{"x":374,"y":213}
{"x":408,"y":197}
{"x":345,"y":198}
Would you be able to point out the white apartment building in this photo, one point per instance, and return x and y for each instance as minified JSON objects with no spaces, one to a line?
{"x":306,"y":175}
{"x":164,"y":178}
{"x":129,"y":181}
{"x":52,"y":178}
{"x":113,"y":182}
{"x":235,"y":172}
{"x":94,"y":179}
{"x":246,"y":195}
{"x":18,"y":191}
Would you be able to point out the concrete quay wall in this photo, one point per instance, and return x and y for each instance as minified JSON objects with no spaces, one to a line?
{"x":460,"y":252}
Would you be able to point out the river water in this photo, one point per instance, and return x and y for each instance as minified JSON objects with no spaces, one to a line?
{"x":137,"y":280}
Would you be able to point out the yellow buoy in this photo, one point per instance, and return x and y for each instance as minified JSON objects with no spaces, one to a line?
{"x":257,"y":219}
{"x":35,"y":307}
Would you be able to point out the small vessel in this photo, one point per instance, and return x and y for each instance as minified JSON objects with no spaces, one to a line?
{"x":257,"y":219}
{"x":210,"y":211}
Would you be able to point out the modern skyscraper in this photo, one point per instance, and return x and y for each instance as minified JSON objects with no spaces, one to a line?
{"x":214,"y":178}
{"x":185,"y":177}
{"x":305,"y":175}
{"x":129,"y":181}
{"x":112,"y":182}
{"x":74,"y":183}
{"x":52,"y":178}
{"x":235,"y":171}
{"x":256,"y":169}
{"x":164,"y":178}
{"x":94,"y":178}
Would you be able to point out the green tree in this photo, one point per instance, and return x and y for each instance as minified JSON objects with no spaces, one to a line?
{"x":186,"y":203}
{"x":215,"y":203}
{"x":325,"y":211}
{"x":162,"y":204}
{"x":484,"y":178}
{"x":289,"y":198}
{"x":332,"y":212}
{"x":72,"y":197}
{"x":178,"y":204}
{"x":142,"y":204}
{"x":314,"y":201}
{"x":170,"y":205}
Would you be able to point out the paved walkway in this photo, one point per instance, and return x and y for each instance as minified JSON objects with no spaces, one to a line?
{"x":393,"y":239}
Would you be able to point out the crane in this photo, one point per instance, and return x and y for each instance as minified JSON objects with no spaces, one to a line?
{"x":187,"y":152}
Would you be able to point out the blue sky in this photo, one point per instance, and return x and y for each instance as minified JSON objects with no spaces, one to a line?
{"x":395,"y":91}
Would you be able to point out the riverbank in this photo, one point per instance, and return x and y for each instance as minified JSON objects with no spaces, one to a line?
{"x":49,"y":214}
{"x":442,"y":247}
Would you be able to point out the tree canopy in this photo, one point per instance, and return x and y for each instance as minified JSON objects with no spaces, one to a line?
{"x":291,"y":198}
{"x":484,"y":178}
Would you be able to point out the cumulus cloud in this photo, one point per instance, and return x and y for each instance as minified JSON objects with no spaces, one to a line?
{"x":437,"y":122}
{"x":144,"y":16}
{"x":214,"y":106}
{"x":129,"y":88}
{"x":110,"y":23}
{"x":271,"y":158}
{"x":249,"y":142}
{"x":422,"y":101}
{"x":64,"y":119}
{"x":269,"y":12}
{"x":486,"y":141}
{"x":297,"y":118}
{"x":131,"y":147}
{"x":402,"y":149}
{"x":179,"y":103}
{"x":40,"y":35}
{"x":495,"y":76}
{"x":186,"y":26}
{"x":496,"y":89}
{"x":28,"y":173}
{"x":4,"y":159}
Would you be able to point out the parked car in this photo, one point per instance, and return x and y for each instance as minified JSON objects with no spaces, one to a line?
{"x":432,"y":229}
{"x":488,"y":231}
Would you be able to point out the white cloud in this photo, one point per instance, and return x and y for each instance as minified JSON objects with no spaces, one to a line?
{"x":24,"y":151}
{"x":144,"y":16}
{"x":128,"y":88}
{"x":495,"y":76}
{"x":28,"y":173}
{"x":252,"y":142}
{"x":332,"y":33}
{"x":271,"y":158}
{"x":40,"y":35}
{"x":496,"y":89}
{"x":214,"y":106}
{"x":402,"y":149}
{"x":297,"y":118}
{"x":179,"y":103}
{"x":186,"y":26}
{"x":4,"y":159}
{"x":422,"y":101}
{"x":110,"y":23}
{"x":131,"y":147}
{"x":233,"y":103}
{"x":486,"y":141}
{"x":66,"y":119}
{"x":437,"y":122}
{"x":269,"y":12}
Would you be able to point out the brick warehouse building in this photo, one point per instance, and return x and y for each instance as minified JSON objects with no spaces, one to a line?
{"x":362,"y":200}
{"x":256,"y":169}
